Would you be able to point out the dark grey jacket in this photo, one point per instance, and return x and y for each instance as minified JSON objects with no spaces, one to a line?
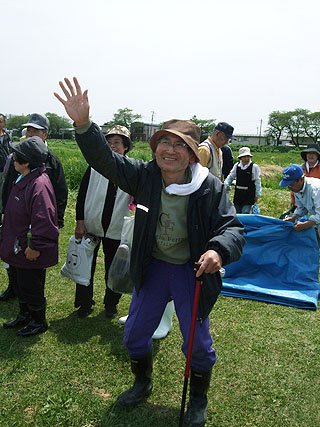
{"x":211,"y":218}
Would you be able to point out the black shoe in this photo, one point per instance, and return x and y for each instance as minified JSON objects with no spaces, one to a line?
{"x":84,"y":312}
{"x":19,"y":321}
{"x":140,"y":391}
{"x":33,"y":328}
{"x":7,"y":294}
{"x":111,"y":312}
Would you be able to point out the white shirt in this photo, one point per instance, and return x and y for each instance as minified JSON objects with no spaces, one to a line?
{"x":308,"y":200}
{"x":255,"y":176}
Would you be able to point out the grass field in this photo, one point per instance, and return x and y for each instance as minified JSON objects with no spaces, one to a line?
{"x":267,"y":373}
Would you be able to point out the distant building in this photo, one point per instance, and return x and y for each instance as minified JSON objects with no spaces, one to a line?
{"x":143,"y":132}
{"x":139,"y":131}
{"x":249,"y":139}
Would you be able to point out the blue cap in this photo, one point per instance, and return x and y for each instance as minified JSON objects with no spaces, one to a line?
{"x":290,"y":174}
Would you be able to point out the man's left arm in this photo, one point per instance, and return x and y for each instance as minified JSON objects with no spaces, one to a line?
{"x":226,"y":231}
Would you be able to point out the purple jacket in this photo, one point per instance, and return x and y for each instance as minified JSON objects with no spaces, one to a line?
{"x":31,"y":203}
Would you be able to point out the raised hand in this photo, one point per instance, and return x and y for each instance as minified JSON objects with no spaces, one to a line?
{"x":77,"y":103}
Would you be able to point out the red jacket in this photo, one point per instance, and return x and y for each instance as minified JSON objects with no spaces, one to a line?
{"x":31,"y":206}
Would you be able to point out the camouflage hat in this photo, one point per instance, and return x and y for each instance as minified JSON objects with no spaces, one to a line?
{"x":123,"y":131}
{"x":37,"y":121}
{"x":187,"y":130}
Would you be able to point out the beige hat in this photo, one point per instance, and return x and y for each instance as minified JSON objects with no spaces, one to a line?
{"x":187,"y":130}
{"x":123,"y":131}
{"x":244,"y":151}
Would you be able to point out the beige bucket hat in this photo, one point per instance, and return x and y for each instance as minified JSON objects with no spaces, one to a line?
{"x":244,"y":151}
{"x":188,"y":131}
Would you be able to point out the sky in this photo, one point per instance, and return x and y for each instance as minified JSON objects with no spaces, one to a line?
{"x":228,"y":60}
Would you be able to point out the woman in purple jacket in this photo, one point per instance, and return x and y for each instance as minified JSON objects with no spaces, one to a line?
{"x":29,"y":241}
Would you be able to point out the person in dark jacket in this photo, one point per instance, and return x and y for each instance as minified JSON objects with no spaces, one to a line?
{"x":29,"y":240}
{"x":183,"y":216}
{"x":100,"y":210}
{"x":227,"y":160}
{"x":4,"y":153}
{"x":38,"y":125}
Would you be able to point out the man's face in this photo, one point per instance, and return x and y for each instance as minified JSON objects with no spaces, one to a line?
{"x":41,"y":133}
{"x":173,"y":155}
{"x":2,"y":123}
{"x":297,"y":185}
{"x":220,"y":138}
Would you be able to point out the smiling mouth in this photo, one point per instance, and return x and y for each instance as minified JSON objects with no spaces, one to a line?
{"x":171,"y":159}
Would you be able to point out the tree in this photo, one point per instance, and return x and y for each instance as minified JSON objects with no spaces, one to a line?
{"x":124,"y":117}
{"x":206,"y":125}
{"x":16,"y":122}
{"x":312,"y":126}
{"x":57,"y":123}
{"x":296,"y":124}
{"x":276,"y":125}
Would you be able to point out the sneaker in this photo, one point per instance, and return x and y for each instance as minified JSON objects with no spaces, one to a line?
{"x":33,"y":328}
{"x":123,"y":319}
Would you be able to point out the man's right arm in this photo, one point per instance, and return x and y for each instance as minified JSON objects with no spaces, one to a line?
{"x":204,"y":155}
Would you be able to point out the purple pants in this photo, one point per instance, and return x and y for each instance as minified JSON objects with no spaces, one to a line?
{"x":162,"y":282}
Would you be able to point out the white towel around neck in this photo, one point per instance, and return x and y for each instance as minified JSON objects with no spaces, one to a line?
{"x":199,"y":174}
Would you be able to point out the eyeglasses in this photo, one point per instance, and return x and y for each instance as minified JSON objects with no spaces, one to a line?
{"x":178,"y":146}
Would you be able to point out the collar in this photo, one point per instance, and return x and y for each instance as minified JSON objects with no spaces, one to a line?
{"x":303,"y":187}
{"x":244,"y":167}
{"x":308,"y":168}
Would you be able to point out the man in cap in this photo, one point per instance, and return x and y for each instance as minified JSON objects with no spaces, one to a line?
{"x":38,"y":125}
{"x":183,"y":215}
{"x":210,"y":153}
{"x":310,"y":167}
{"x":4,"y":153}
{"x":307,"y":195}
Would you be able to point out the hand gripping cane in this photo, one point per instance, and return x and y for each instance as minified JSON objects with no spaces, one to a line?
{"x":190,"y":344}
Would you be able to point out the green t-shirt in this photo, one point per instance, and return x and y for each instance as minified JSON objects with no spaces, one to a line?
{"x":172,"y":244}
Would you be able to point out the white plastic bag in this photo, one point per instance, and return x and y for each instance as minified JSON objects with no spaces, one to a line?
{"x":79,"y":259}
{"x":119,"y":279}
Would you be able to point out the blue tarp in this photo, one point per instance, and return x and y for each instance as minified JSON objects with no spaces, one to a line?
{"x":278,"y":265}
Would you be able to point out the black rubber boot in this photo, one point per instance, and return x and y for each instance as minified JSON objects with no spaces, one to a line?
{"x":36,"y":326}
{"x":142,"y":387}
{"x":197,"y":410}
{"x":22,"y":319}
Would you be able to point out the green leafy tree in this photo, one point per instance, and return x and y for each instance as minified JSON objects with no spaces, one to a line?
{"x":57,"y":123}
{"x":206,"y":125}
{"x":276,"y":125}
{"x":124,"y":117}
{"x":296,"y":124}
{"x":312,"y":126}
{"x":16,"y":122}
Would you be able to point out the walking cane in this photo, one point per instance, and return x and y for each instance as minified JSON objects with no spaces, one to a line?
{"x":190,"y":344}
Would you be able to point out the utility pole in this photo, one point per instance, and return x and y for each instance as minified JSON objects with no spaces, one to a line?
{"x":151,"y":130}
{"x":260,"y":131}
